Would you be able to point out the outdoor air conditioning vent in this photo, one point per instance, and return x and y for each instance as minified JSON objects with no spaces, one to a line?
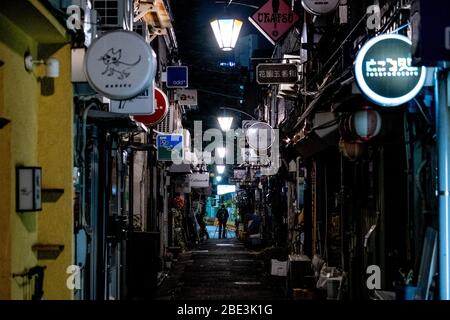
{"x":168,"y":124}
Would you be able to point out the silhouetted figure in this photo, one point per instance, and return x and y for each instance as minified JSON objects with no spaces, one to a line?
{"x":222,"y":216}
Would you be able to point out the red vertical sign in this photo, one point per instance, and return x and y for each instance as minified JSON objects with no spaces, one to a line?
{"x":274,"y":19}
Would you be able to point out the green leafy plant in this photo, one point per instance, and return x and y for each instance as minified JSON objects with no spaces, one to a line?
{"x":232,"y":203}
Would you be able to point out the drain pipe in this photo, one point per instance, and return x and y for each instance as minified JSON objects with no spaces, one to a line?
{"x":442,"y":84}
{"x":83,"y":168}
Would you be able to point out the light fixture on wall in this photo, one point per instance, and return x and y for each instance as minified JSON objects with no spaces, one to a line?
{"x":52,"y":65}
{"x":28,"y":189}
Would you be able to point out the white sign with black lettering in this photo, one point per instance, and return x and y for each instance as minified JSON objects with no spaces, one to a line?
{"x":143,"y":104}
{"x":320,"y":7}
{"x":187,"y":97}
{"x":199,"y":180}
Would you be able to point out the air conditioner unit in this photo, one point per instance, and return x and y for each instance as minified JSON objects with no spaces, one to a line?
{"x":172,"y":122}
{"x":166,"y":126}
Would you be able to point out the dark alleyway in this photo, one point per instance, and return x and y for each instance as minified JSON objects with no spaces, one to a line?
{"x":221,"y":270}
{"x":315,"y":133}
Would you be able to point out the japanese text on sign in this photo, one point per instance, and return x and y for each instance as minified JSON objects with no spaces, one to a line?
{"x":400,"y":67}
{"x":276,"y":73}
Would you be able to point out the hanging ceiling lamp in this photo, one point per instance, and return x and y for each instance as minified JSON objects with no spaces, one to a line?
{"x":225,"y":122}
{"x":226,"y":32}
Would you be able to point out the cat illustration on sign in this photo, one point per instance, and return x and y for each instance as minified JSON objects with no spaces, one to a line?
{"x":113,"y":64}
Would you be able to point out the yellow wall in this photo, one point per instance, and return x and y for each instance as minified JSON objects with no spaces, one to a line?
{"x":56,"y":159}
{"x":5,"y":209}
{"x":19,"y":102}
{"x":39,"y":134}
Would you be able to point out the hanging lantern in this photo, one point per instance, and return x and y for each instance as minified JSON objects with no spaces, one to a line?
{"x":361,"y":126}
{"x":351,"y":150}
{"x":226,"y":32}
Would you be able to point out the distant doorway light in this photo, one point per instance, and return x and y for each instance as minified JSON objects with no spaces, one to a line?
{"x":221,"y":152}
{"x":226,"y":32}
{"x":220,"y":168}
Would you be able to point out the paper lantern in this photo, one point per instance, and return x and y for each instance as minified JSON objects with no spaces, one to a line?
{"x":352,"y":151}
{"x":361,"y":126}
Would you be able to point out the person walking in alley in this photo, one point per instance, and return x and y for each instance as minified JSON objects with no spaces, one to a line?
{"x":222,"y":216}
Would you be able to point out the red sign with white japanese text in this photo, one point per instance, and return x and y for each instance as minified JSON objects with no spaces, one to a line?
{"x":274,"y":19}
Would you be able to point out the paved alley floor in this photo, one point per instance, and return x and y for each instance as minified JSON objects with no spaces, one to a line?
{"x":221,"y":270}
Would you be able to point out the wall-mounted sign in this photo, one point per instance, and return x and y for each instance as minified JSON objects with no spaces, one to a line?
{"x":384,"y":73}
{"x":187,"y":97}
{"x":142,"y":104}
{"x":177,"y":77}
{"x":120,"y":65}
{"x":274,"y":19}
{"x":161,"y":109}
{"x":28,"y":189}
{"x":170,"y":147}
{"x":276,"y":73}
{"x":239,"y":174}
{"x":319,"y":7}
{"x":200,"y":180}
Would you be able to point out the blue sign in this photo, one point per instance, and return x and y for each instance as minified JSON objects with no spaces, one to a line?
{"x":177,"y":77}
{"x":170,"y":147}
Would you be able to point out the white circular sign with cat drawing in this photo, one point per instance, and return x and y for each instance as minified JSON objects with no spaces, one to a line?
{"x":120,"y":65}
{"x":320,"y":7}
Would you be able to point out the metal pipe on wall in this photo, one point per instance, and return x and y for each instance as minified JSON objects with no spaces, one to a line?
{"x":442,"y":78}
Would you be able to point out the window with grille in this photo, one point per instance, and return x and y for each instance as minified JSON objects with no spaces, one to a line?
{"x":108,"y":13}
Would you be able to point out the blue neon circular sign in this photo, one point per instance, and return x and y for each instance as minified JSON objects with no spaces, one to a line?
{"x":384,"y":73}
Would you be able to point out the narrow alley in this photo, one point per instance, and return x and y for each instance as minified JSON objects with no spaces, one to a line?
{"x":286,"y":151}
{"x":221,"y":270}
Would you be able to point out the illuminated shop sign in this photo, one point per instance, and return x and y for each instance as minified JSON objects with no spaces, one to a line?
{"x":170,"y":147}
{"x":120,"y":65}
{"x":177,"y":77}
{"x":384,"y":72}
{"x":276,"y":73}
